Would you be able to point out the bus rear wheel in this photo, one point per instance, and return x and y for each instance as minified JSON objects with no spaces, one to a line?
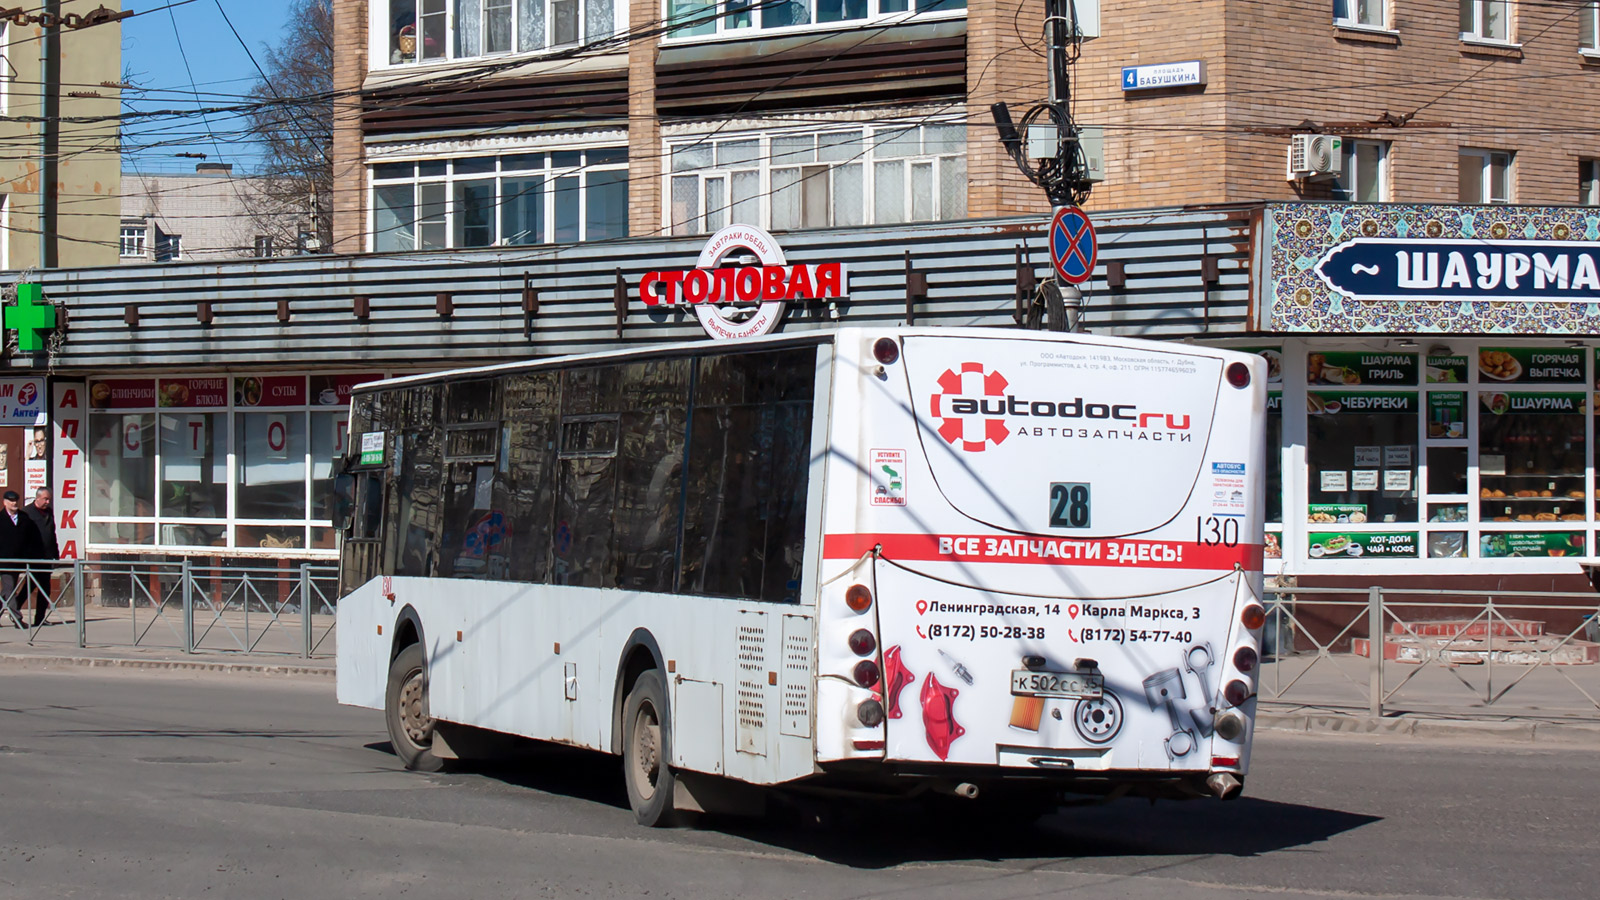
{"x":405,"y":711}
{"x":646,"y":752}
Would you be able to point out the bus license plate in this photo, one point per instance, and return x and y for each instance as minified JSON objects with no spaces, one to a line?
{"x":1055,"y":684}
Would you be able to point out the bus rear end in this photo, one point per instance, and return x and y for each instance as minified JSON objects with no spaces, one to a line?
{"x":1042,"y":560}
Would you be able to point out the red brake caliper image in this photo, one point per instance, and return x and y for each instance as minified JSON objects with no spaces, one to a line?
{"x":896,"y":677}
{"x":939,"y":716}
{"x":953,"y":429}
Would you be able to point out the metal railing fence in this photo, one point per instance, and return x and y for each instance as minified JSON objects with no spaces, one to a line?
{"x":287,"y":609}
{"x":1386,"y":650}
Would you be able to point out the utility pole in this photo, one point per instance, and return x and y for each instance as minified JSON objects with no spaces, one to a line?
{"x":1054,"y":144}
{"x":50,"y":138}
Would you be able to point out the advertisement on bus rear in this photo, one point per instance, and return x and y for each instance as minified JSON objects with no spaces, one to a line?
{"x":1061,"y":591}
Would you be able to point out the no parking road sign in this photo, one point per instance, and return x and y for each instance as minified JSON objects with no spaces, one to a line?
{"x":1073,"y":247}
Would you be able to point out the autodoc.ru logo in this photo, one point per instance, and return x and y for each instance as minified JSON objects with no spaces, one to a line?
{"x":960,"y":398}
{"x":974,"y":410}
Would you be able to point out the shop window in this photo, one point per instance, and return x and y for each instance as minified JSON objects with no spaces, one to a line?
{"x":1361,"y":448}
{"x":1274,"y":498}
{"x":122,"y":463}
{"x":513,"y":200}
{"x":1486,"y":20}
{"x":824,"y":179}
{"x":697,"y":18}
{"x":1531,"y":456}
{"x":1485,"y":176}
{"x":271,"y":453}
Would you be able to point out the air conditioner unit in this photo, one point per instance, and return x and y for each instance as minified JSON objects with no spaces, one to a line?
{"x":1315,"y":156}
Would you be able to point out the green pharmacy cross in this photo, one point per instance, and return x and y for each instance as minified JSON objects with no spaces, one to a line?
{"x":29,"y":317}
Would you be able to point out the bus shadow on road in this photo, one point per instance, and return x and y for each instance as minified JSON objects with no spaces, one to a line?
{"x":892,"y":836}
{"x":875,"y":835}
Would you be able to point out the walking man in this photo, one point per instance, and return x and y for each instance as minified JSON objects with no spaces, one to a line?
{"x":39,"y":584}
{"x":19,"y":540}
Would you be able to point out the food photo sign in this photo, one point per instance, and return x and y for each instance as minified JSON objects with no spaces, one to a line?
{"x":1430,"y":269}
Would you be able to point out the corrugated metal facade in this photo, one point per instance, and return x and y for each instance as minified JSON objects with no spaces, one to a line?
{"x":970,"y":267}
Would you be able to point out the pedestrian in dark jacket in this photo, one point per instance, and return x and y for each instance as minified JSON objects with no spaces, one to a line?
{"x":19,"y":540}
{"x":44,"y":519}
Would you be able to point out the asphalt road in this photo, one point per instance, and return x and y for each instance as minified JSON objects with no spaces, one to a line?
{"x":171,"y":784}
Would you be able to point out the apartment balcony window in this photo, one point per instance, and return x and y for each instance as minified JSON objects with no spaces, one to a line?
{"x":169,"y":247}
{"x":1485,"y":176}
{"x":1364,"y":176}
{"x":1369,"y":14}
{"x":705,"y":18}
{"x":830,"y":178}
{"x":563,"y":196}
{"x":421,"y":31}
{"x":133,"y":242}
{"x":1486,"y":21}
{"x":1589,"y":28}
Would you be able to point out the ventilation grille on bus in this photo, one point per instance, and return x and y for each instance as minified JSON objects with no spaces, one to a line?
{"x":752,"y":689}
{"x":796,"y":677}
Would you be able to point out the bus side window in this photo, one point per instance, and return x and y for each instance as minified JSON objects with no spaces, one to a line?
{"x":748,"y":462}
{"x":367,"y":520}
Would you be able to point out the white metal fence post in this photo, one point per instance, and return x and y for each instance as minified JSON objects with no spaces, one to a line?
{"x":1375,"y":651}
{"x":79,"y":570}
{"x":305,"y":609}
{"x":188,"y":606}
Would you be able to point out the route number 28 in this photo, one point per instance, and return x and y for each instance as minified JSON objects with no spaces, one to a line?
{"x":1069,"y":504}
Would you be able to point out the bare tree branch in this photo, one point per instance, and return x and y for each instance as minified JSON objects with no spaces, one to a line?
{"x":295,"y":176}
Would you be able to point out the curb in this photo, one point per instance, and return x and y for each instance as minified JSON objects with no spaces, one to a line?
{"x":98,"y":662}
{"x":1524,"y":731}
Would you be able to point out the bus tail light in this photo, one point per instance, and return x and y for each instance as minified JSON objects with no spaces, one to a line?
{"x":1252,"y":617}
{"x":1239,"y":375}
{"x":866,"y":673}
{"x":886,"y":351}
{"x":1224,"y":762}
{"x":1236,"y":693}
{"x":870,"y":713}
{"x":1245,"y":659}
{"x":862,"y":643}
{"x":858,"y":598}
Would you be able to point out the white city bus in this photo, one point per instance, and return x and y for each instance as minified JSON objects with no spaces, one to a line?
{"x":892,"y":560}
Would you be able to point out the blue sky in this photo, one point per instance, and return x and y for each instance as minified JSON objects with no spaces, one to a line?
{"x":221,"y":68}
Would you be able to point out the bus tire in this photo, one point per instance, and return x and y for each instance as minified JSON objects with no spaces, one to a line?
{"x":646,"y":748}
{"x":405,"y":711}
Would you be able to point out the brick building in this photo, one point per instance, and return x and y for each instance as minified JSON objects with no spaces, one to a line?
{"x":506,"y":122}
{"x":208,"y":215}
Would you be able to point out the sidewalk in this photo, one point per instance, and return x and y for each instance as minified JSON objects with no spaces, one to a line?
{"x":119,"y":637}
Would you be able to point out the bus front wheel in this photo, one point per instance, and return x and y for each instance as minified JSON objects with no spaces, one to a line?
{"x":646,"y":751}
{"x":406,"y":713}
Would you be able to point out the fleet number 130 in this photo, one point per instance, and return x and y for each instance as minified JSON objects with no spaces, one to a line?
{"x":1211,"y":531}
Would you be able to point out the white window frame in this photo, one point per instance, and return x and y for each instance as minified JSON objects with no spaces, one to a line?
{"x":764,"y":163}
{"x":383,"y":51}
{"x":1589,"y":30}
{"x":875,"y":15}
{"x":140,"y":234}
{"x":1475,"y":18}
{"x":1485,"y":164}
{"x":228,"y":453}
{"x":1350,"y":17}
{"x":1348,"y":170}
{"x":549,"y":173}
{"x":1589,"y":181}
